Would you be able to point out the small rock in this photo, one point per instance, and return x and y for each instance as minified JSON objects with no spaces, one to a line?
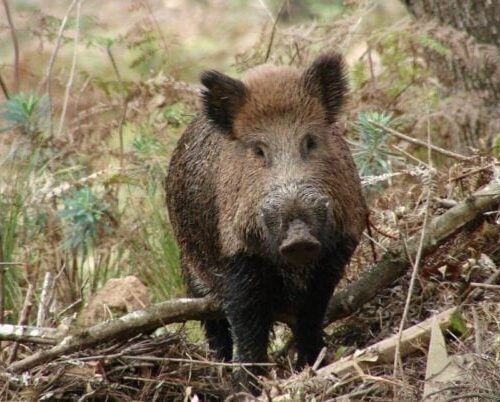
{"x":117,"y":297}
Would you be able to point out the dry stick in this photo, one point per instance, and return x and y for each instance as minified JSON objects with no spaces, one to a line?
{"x":392,"y":265}
{"x":484,"y":286}
{"x":180,"y":360}
{"x":125,"y":101}
{"x":421,"y":143}
{"x":157,"y":26}
{"x":5,"y":90}
{"x":44,"y":299}
{"x":474,"y":171}
{"x":23,"y":319}
{"x":16,"y":46}
{"x":29,"y":334}
{"x":52,"y":60}
{"x":384,"y":351}
{"x":273,"y":31}
{"x":395,"y":262}
{"x":2,"y":289}
{"x":351,"y":367}
{"x":478,"y":332}
{"x":142,"y":321}
{"x":72,"y":71}
{"x":397,"y":356}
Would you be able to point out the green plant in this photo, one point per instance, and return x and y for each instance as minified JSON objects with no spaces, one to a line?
{"x":11,"y":210}
{"x":82,"y":213}
{"x":431,"y":43}
{"x":26,"y":113}
{"x":153,"y":251}
{"x":371,"y":152}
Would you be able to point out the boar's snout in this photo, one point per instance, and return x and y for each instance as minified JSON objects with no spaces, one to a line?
{"x":299,"y":245}
{"x":296,"y":218}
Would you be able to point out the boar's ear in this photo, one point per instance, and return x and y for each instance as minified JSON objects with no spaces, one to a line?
{"x":326,"y":80}
{"x":222,"y":98}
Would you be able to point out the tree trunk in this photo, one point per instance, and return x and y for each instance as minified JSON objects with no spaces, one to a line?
{"x":470,"y":31}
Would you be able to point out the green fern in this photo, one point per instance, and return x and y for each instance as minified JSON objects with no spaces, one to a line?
{"x":371,"y":152}
{"x":431,"y":43}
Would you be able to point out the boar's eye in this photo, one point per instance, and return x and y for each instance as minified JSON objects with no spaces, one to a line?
{"x":309,"y":144}
{"x":260,"y":151}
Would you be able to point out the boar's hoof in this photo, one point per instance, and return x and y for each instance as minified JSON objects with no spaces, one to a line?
{"x":299,"y":246}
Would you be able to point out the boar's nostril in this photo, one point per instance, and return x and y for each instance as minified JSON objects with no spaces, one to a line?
{"x":299,"y":245}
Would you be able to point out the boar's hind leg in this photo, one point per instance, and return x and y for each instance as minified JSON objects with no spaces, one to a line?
{"x":219,"y":338}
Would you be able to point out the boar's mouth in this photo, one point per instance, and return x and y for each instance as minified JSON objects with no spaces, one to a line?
{"x":299,"y":245}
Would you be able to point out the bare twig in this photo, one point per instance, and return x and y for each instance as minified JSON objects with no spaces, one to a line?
{"x":479,"y":290}
{"x":484,"y":286}
{"x":125,"y":101}
{"x":115,"y":67}
{"x":52,"y":60}
{"x":5,"y":90}
{"x":351,"y":367}
{"x":384,"y":351}
{"x":416,"y":264}
{"x":421,"y":143}
{"x":174,"y":360}
{"x":72,"y":71}
{"x":45,"y":297}
{"x":478,"y":331}
{"x":475,"y":396}
{"x":157,"y":26}
{"x":2,"y":290}
{"x":474,"y":171}
{"x":273,"y":31}
{"x":15,"y":42}
{"x":23,"y":319}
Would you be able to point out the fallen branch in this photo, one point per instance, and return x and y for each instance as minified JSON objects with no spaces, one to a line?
{"x":393,"y":265}
{"x":484,"y":286}
{"x":142,"y":321}
{"x":26,"y":333}
{"x":23,"y":319}
{"x":383,"y":351}
{"x":395,"y":262}
{"x":379,"y":353}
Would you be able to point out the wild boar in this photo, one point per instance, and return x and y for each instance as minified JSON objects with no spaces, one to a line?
{"x":266,"y":203}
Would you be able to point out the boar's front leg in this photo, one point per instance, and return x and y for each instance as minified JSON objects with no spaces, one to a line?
{"x":308,"y":331}
{"x":247,"y":304}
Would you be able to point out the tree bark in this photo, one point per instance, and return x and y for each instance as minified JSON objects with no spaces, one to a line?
{"x":470,"y":31}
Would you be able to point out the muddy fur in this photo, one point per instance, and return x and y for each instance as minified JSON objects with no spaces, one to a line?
{"x":265,"y":153}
